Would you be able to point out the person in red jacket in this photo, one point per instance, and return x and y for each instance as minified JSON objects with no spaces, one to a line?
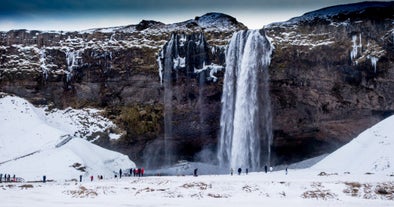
{"x":142,"y":171}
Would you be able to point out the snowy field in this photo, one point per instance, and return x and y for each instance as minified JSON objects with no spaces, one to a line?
{"x":33,"y":143}
{"x":298,"y":188}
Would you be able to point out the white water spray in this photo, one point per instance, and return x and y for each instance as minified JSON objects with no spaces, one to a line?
{"x":246,"y":123}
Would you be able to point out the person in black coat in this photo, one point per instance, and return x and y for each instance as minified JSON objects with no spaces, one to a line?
{"x":120,"y":173}
{"x":239,"y":171}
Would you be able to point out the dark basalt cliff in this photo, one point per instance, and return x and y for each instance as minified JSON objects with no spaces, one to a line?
{"x":331,"y":77}
{"x":117,"y":69}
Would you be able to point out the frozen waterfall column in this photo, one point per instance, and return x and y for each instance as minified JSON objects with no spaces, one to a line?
{"x":242,"y":128}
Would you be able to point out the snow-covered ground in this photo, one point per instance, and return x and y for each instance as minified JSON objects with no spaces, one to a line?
{"x":360,"y":173}
{"x":300,"y":188}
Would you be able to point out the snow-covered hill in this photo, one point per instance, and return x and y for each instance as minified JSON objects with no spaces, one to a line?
{"x":341,"y":11}
{"x":371,"y":152}
{"x":36,"y":141}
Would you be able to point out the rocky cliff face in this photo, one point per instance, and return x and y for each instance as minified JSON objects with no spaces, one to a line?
{"x":119,"y":69}
{"x":331,"y":77}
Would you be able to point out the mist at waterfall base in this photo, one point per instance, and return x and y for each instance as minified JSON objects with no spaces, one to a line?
{"x":245,"y":133}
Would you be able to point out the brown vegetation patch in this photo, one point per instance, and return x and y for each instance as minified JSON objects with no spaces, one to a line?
{"x":200,"y":185}
{"x":326,"y":174}
{"x":249,"y":189}
{"x":384,"y":191}
{"x":217,"y":195}
{"x":319,"y":193}
{"x":26,"y":186}
{"x":82,"y":192}
{"x":353,"y":188}
{"x":147,"y":189}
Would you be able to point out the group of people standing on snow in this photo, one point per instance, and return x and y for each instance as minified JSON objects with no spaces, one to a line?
{"x":132,"y":172}
{"x":7,"y":178}
{"x":135,"y":172}
{"x":239,"y":171}
{"x":247,"y":170}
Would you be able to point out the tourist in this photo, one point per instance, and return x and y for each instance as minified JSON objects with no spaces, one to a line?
{"x":265,"y":168}
{"x":1,"y":178}
{"x":239,"y":171}
{"x":120,"y":173}
{"x":44,"y":179}
{"x":195,"y":172}
{"x":231,"y":171}
{"x":286,"y":171}
{"x":131,"y":172}
{"x":91,"y":178}
{"x":80,"y":178}
{"x":246,"y":171}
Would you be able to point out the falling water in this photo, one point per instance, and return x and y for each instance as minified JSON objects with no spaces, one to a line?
{"x":246,"y":126}
{"x":167,"y":81}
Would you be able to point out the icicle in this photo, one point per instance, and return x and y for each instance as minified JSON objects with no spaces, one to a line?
{"x":213,"y":50}
{"x":159,"y":58}
{"x":43,"y":64}
{"x":179,"y":62}
{"x":355,"y":46}
{"x":374,"y":61}
{"x":353,"y":53}
{"x":73,"y":60}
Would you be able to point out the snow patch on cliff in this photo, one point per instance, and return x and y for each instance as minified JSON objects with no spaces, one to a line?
{"x":212,"y":68}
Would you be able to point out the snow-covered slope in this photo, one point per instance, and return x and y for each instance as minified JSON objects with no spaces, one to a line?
{"x":77,"y":157}
{"x":340,"y":12}
{"x":372,"y":151}
{"x":36,"y":141}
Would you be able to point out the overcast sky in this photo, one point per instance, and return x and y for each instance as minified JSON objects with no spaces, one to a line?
{"x":69,"y":15}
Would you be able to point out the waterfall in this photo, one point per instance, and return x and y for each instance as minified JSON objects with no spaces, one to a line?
{"x":168,"y":67}
{"x":245,"y":122}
